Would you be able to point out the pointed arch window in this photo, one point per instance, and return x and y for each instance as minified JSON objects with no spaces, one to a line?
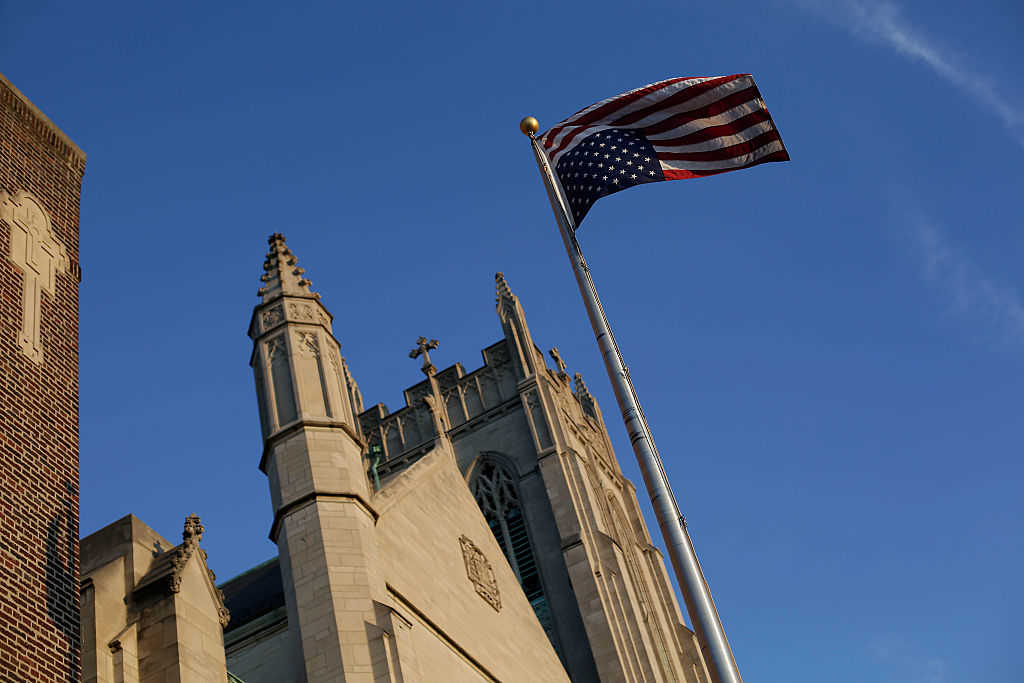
{"x":497,"y":495}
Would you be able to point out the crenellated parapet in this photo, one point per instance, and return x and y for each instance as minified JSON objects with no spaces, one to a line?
{"x":514,"y":376}
{"x":409,"y":432}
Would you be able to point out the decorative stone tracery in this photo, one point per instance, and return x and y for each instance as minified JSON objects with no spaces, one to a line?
{"x":272,"y":317}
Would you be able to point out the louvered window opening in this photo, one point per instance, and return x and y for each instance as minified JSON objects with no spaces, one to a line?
{"x":496,"y":494}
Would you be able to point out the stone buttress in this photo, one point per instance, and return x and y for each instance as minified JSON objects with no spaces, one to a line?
{"x":633,"y":623}
{"x":313,"y":459}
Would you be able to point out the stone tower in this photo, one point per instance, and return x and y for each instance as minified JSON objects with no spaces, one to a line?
{"x":313,"y":459}
{"x":398,"y":581}
{"x":481,"y":531}
{"x":622,"y":591}
{"x":533,"y":448}
{"x":40,"y":192}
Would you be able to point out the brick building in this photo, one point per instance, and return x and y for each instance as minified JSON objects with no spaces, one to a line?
{"x":40,"y":189}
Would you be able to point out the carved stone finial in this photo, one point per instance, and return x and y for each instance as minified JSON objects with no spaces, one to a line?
{"x":423,"y":347}
{"x":193,"y":532}
{"x":584,"y":396}
{"x":282,"y":276}
{"x":559,"y":363}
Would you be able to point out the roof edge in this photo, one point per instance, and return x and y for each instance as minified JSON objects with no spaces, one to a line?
{"x":42,"y":121}
{"x":250,"y":570}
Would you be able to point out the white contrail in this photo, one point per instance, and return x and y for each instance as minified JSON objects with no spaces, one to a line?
{"x":883,"y":22}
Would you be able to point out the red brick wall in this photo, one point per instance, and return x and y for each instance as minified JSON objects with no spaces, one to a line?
{"x":39,"y":608}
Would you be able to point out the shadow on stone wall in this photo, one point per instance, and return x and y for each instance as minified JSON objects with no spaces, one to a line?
{"x":61,"y":580}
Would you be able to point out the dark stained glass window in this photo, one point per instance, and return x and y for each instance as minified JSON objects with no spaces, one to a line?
{"x":495,"y":491}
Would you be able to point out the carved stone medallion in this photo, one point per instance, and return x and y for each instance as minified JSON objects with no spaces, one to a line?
{"x":479,"y":571}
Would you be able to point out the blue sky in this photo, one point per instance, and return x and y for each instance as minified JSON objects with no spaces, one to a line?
{"x":830,"y":351}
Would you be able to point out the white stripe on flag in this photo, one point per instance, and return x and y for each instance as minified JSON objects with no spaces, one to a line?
{"x":727,"y":116}
{"x":734,"y":162}
{"x":645,"y":101}
{"x":722,"y":141}
{"x":699,"y":102}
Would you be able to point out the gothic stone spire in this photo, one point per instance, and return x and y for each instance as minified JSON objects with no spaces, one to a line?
{"x":282,"y":276}
{"x":584,"y":396}
{"x":505,"y":298}
{"x":298,"y":368}
{"x":513,"y":321}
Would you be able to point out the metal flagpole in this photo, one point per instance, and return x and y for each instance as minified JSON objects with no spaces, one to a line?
{"x":696,"y":594}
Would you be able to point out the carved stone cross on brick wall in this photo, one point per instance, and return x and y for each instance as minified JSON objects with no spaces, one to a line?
{"x":422,"y":349}
{"x":36,"y":252}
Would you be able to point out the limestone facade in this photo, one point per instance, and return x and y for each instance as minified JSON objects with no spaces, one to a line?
{"x":484,"y":531}
{"x":151,"y":612}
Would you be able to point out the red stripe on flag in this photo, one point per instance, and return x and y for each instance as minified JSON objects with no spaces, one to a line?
{"x":673,"y":100}
{"x":608,"y":108}
{"x":732,"y":151}
{"x":681,"y":174}
{"x":723,"y":130}
{"x":713,"y":109}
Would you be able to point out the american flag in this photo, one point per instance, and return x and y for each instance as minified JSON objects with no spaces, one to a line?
{"x":673,"y":129}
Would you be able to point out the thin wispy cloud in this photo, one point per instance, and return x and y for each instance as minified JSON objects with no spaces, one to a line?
{"x":972,"y":294}
{"x":897,"y":657}
{"x":885,"y":23}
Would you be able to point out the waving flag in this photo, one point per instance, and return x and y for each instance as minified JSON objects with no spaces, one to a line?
{"x":674,"y":129}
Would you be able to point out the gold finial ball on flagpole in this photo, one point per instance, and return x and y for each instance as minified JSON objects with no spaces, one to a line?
{"x":529,"y":126}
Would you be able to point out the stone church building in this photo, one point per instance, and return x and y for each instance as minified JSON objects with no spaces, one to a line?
{"x":482,"y":532}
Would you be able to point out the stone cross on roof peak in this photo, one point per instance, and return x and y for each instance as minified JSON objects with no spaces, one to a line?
{"x":423,"y":347}
{"x":282,"y":276}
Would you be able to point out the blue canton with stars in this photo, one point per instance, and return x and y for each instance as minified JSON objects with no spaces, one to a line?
{"x":606,"y":162}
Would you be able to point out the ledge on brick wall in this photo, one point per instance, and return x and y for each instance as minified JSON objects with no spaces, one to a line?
{"x":45,"y":129}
